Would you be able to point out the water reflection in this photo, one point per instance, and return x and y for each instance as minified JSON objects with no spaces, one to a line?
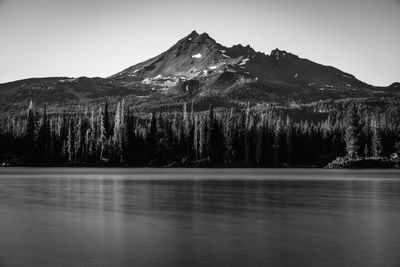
{"x":113,"y":220}
{"x":200,"y":196}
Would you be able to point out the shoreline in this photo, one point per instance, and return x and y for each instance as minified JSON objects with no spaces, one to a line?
{"x":345,"y":162}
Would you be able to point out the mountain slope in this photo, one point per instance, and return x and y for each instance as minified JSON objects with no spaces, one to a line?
{"x":241,"y":71}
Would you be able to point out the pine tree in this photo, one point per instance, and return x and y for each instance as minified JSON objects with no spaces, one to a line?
{"x":196,"y":137}
{"x":277,"y":146}
{"x":366,"y":137}
{"x":86,"y":154}
{"x":189,"y":132}
{"x":210,"y":132}
{"x":397,"y":141}
{"x":102,"y":140}
{"x":258,"y":144}
{"x":186,"y":119}
{"x":240,"y":139}
{"x":376,"y":139}
{"x":152,"y":138}
{"x":78,"y":140}
{"x":119,"y":131}
{"x":215,"y":142}
{"x":43,"y":139}
{"x":106,"y":121}
{"x":30,"y":134}
{"x":229,"y":131}
{"x":289,"y":139}
{"x":70,"y":142}
{"x":353,"y":132}
{"x":203,"y":138}
{"x":246,"y":136}
{"x":93,"y":135}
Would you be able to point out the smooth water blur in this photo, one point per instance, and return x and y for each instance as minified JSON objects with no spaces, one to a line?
{"x":194,"y":217}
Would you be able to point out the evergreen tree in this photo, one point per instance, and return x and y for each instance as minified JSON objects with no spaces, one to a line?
{"x":214,"y":140}
{"x":289,"y":140}
{"x":353,"y":132}
{"x":196,"y":137}
{"x":106,"y":122}
{"x":102,"y":140}
{"x":277,"y":146}
{"x":229,"y":132}
{"x":397,"y":141}
{"x":93,"y":135}
{"x":189,"y":132}
{"x":119,"y":132}
{"x":246,"y":136}
{"x":86,"y":154}
{"x":70,"y":142}
{"x":151,"y":138}
{"x":43,"y":140}
{"x":240,"y":143}
{"x":78,"y":140}
{"x":376,"y":139}
{"x":30,"y":134}
{"x":210,"y":132}
{"x":203,"y":138}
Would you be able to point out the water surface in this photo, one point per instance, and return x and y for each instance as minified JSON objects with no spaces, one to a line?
{"x":199,"y":217}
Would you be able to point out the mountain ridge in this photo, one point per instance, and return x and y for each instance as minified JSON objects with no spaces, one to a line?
{"x":198,"y":67}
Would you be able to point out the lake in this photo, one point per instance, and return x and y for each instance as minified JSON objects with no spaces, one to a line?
{"x":199,"y":217}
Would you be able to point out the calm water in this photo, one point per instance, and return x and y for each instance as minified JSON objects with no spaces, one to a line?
{"x":192,"y":217}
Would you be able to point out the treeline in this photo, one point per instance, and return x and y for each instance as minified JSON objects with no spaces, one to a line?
{"x":245,"y":138}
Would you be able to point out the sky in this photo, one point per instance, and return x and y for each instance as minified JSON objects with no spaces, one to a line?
{"x":44,"y":38}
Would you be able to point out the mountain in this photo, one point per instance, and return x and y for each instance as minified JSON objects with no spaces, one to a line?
{"x":200,"y":69}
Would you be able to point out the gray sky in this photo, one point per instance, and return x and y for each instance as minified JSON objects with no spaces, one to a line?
{"x":41,"y":38}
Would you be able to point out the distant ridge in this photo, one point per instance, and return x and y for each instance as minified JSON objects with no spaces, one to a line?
{"x":199,"y":68}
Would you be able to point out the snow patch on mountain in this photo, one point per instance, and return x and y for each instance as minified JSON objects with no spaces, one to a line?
{"x":244,"y":62}
{"x":161,"y":83}
{"x":197,"y":56}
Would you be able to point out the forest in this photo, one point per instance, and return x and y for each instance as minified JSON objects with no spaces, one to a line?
{"x":247,"y":137}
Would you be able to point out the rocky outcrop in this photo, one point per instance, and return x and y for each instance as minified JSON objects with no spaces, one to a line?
{"x":348,"y":162}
